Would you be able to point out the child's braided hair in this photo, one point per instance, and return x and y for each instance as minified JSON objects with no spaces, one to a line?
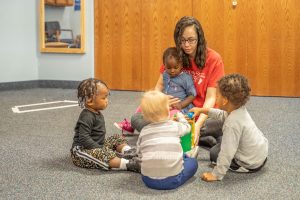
{"x":235,"y":88}
{"x":87,"y":89}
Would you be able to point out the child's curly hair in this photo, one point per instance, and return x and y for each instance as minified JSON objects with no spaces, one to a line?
{"x":235,"y":88}
{"x":169,"y":53}
{"x":87,"y":89}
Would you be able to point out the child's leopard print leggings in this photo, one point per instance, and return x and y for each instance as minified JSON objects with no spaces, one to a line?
{"x":97,"y":158}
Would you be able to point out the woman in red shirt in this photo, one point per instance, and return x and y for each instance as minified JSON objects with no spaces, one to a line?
{"x":206,"y":68}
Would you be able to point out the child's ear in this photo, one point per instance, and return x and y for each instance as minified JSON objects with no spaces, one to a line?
{"x":224,"y":101}
{"x":89,"y":100}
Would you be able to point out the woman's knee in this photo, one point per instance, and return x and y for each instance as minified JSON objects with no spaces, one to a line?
{"x":212,"y":127}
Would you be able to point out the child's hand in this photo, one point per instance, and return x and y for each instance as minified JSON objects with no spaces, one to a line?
{"x":196,"y":111}
{"x":177,"y":116}
{"x":209,"y":177}
{"x":177,"y":106}
{"x":173,"y":100}
{"x":186,"y":118}
{"x":174,"y":117}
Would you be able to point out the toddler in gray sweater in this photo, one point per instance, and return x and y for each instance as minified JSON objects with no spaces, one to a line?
{"x":164,"y":166}
{"x":244,"y":147}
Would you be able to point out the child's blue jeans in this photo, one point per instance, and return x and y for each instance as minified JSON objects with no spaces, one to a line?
{"x":190,"y":167}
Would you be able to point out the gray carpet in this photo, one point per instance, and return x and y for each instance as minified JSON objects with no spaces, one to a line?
{"x":35,"y":161}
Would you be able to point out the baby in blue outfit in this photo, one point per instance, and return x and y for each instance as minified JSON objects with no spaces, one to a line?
{"x":176,"y":82}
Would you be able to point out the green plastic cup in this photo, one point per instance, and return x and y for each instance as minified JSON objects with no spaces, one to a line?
{"x":186,"y":142}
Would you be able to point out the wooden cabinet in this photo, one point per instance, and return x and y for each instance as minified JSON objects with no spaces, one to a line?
{"x":50,"y":2}
{"x":59,"y":2}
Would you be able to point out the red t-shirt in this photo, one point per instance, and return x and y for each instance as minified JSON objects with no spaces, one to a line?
{"x":207,"y":77}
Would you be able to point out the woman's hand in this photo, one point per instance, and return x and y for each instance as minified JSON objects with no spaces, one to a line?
{"x":209,"y":177}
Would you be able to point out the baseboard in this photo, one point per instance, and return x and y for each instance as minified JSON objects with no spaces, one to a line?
{"x":38,"y":84}
{"x":58,"y":84}
{"x":19,"y":85}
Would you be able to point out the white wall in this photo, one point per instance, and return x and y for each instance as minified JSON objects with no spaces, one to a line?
{"x":18,"y":41}
{"x":71,"y":66}
{"x":20,"y":59}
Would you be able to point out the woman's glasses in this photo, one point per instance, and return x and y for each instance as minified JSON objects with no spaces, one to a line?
{"x":189,"y":40}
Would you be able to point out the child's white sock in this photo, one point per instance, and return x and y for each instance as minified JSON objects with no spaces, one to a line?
{"x":123,"y":163}
{"x":125,"y":148}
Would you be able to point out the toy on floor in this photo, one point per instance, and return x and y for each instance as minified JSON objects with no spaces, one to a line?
{"x":188,"y":143}
{"x":188,"y":140}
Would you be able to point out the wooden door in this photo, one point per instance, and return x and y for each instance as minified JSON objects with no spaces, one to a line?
{"x":259,"y":39}
{"x":118,"y":56}
{"x":158,"y":23}
{"x":130,"y":37}
{"x":274,"y":47}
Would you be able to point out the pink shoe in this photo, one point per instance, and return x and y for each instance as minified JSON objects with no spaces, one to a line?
{"x":125,"y":127}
